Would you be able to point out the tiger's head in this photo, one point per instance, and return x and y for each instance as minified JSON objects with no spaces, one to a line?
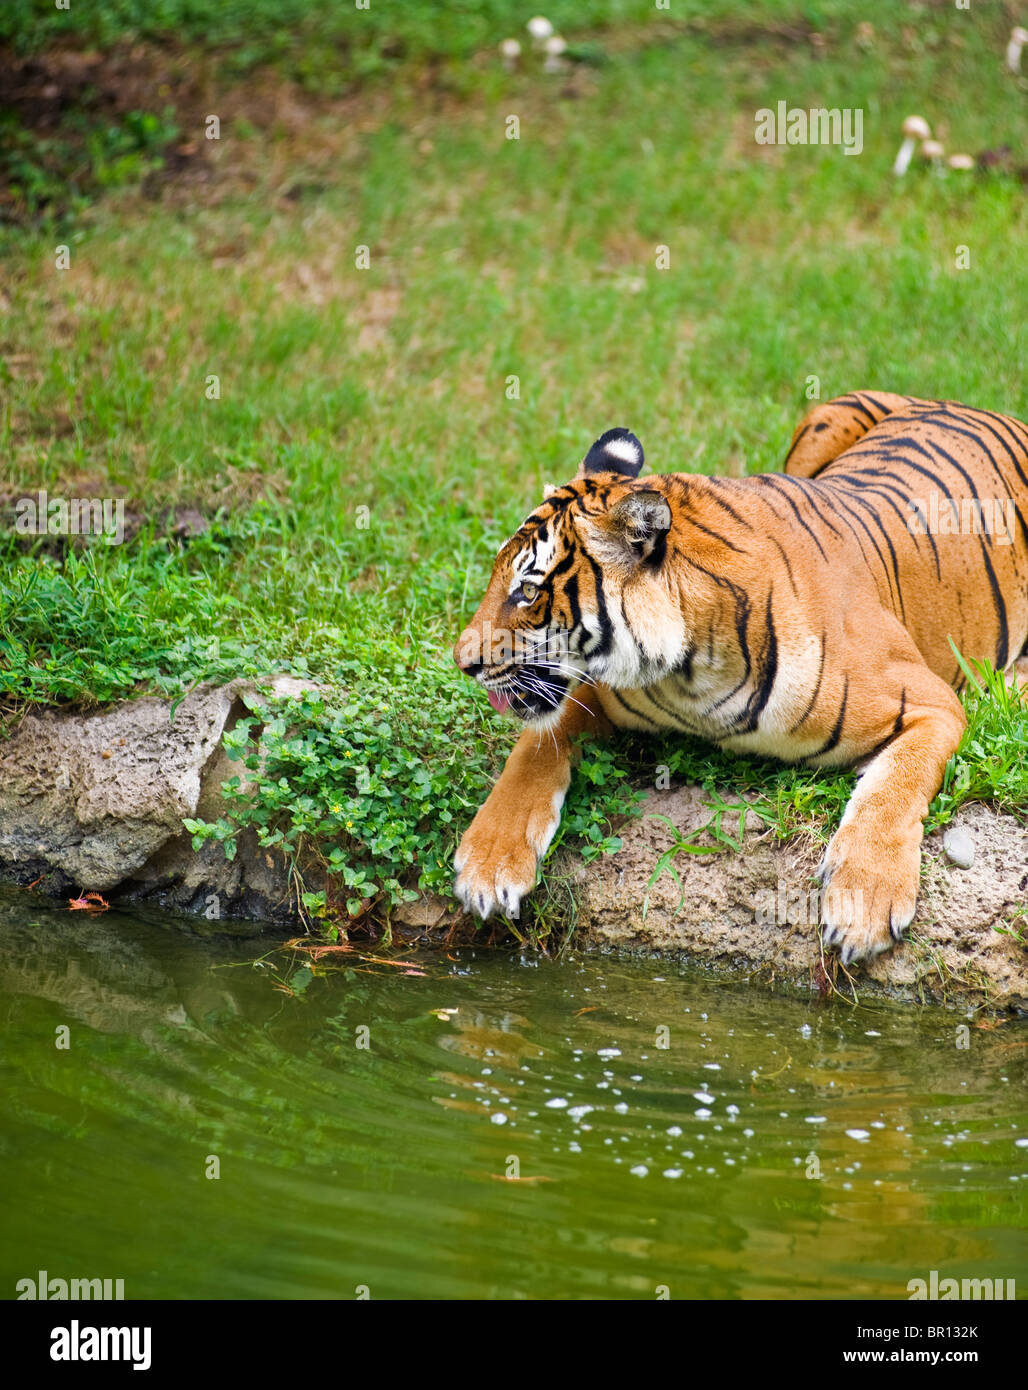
{"x":580,"y":592}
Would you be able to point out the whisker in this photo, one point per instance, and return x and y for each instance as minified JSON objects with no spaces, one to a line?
{"x":564,"y":669}
{"x":544,"y":689}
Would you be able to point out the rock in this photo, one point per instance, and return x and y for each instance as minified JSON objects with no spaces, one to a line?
{"x":959,"y":848}
{"x":428,"y":910}
{"x":95,"y":802}
{"x":755,"y":914}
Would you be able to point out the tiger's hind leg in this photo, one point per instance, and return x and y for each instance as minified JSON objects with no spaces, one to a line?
{"x":830,"y":429}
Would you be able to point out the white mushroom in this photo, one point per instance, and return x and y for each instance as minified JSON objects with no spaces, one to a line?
{"x":1018,"y":39}
{"x":933,"y":150}
{"x":961,"y":161}
{"x":540,"y":28}
{"x":914,"y":128}
{"x":555,"y":47}
{"x":510,"y":52}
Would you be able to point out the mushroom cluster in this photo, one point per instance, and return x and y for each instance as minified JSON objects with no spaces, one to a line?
{"x":917,"y":132}
{"x":544,"y":41}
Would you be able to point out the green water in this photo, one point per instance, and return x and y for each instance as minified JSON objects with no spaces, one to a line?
{"x":385,"y":1167}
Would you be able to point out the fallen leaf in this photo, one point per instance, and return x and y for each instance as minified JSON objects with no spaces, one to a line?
{"x":92,"y":902}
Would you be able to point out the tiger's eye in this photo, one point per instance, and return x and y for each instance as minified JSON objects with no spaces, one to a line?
{"x":530,"y":591}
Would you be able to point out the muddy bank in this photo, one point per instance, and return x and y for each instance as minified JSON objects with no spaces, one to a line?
{"x":95,"y":802}
{"x":755,"y":913}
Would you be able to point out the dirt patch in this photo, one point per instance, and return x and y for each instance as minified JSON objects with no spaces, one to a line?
{"x":755,"y":913}
{"x":63,"y":103}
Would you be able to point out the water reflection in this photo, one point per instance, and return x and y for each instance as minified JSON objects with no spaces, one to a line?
{"x":664,"y":1131}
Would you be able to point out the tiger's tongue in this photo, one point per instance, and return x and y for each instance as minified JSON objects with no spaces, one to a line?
{"x":499,"y":701}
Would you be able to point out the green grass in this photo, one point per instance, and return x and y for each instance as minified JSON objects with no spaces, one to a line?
{"x":364,"y":459}
{"x":323,"y":42}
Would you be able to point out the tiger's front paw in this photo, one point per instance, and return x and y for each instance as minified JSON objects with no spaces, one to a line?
{"x":870,"y":889}
{"x":499,"y":855}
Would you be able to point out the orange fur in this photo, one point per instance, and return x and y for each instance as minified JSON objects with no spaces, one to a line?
{"x":807,"y":616}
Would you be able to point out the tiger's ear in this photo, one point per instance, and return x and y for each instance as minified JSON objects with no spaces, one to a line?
{"x":617,"y":451}
{"x":638,"y":526}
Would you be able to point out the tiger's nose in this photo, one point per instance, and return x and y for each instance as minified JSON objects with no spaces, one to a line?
{"x":467,"y":653}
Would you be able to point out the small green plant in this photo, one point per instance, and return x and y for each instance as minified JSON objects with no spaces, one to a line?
{"x":601,"y":792}
{"x":125,"y":152}
{"x":363,"y":786}
{"x":990,"y":763}
{"x":714,"y":829}
{"x":1017,"y":926}
{"x":83,"y":156}
{"x":344,"y":782}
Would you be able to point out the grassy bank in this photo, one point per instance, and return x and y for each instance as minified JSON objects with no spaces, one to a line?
{"x":363,"y":452}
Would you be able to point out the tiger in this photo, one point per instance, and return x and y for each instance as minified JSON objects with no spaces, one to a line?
{"x":815,"y":616}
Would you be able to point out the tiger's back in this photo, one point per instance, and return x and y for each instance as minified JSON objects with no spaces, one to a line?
{"x":939,"y":491}
{"x":889,"y":504}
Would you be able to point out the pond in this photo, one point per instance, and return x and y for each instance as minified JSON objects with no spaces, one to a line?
{"x":491,"y":1125}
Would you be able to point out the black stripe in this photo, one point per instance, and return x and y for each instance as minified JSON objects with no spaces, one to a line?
{"x":725,"y":506}
{"x":758,"y":700}
{"x":631,"y":709}
{"x":836,"y":734}
{"x":659,"y":704}
{"x":814,"y":492}
{"x":714,"y":535}
{"x":813,"y":699}
{"x":897,"y":727}
{"x":770,"y":480}
{"x":858,"y":404}
{"x":863,"y":502}
{"x":684,"y":666}
{"x":571,"y":597}
{"x":602,"y":614}
{"x":795,"y":444}
{"x":785,"y":561}
{"x":884,"y":490}
{"x":866,"y":396}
